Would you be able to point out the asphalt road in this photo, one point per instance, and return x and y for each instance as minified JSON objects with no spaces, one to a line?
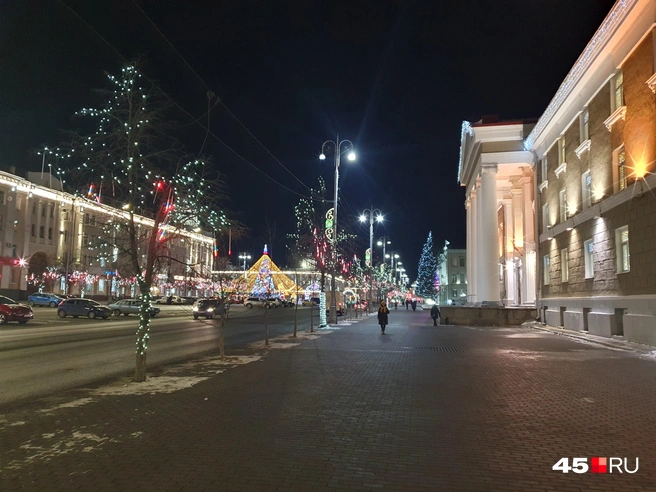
{"x":49,"y":354}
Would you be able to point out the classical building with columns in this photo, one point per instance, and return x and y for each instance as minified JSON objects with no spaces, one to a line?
{"x":595,"y":147}
{"x":498,"y":175}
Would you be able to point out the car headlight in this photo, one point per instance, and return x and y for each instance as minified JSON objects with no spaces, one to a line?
{"x":209,"y":310}
{"x":195,"y":308}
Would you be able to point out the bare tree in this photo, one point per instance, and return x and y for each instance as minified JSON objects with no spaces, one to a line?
{"x":156,"y":195}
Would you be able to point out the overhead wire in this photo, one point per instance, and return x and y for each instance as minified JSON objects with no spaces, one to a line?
{"x":195,"y":120}
{"x":220,"y":100}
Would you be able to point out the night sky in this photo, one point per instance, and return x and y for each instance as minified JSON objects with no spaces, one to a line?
{"x":395,"y":77}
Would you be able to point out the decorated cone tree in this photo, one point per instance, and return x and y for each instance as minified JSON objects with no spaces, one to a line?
{"x":427,"y":270}
{"x":130,"y":161}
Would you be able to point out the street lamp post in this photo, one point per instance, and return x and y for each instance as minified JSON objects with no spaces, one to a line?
{"x":339,"y":147}
{"x":379,"y":218}
{"x":393,"y":255}
{"x":244,"y":256}
{"x":383,"y":241}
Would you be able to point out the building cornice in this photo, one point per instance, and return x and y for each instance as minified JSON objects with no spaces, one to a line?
{"x":651,"y":82}
{"x":584,"y":147}
{"x":594,"y":48}
{"x":618,"y":114}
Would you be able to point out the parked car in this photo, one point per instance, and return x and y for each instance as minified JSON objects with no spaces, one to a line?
{"x":83,"y":307}
{"x":189,"y":300}
{"x":173,"y":299}
{"x":44,"y":299}
{"x":208,"y":308}
{"x":273,"y":302}
{"x":256,"y":302}
{"x":10,"y":310}
{"x":130,"y":306}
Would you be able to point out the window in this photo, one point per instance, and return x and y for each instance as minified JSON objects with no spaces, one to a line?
{"x":543,"y":170}
{"x":617,"y":94}
{"x":545,"y":217}
{"x":622,"y":249}
{"x":43,"y":210}
{"x":621,"y":169}
{"x":453,"y":278}
{"x":86,"y":218}
{"x":586,"y":189}
{"x":462,"y":261}
{"x":51,"y":208}
{"x":562,"y":200}
{"x":2,"y":197}
{"x":462,"y":278}
{"x":34,"y":209}
{"x":588,"y":253}
{"x":2,"y":222}
{"x":50,"y":233}
{"x":101,"y":285}
{"x":564,"y":265}
{"x":545,"y":270}
{"x":455,"y":293}
{"x":454,"y":261}
{"x":33,"y":230}
{"x":585,"y":125}
{"x":103,"y":262}
{"x":19,"y":202}
{"x":65,"y":236}
{"x":41,"y":232}
{"x":15,"y":226}
{"x":561,"y":151}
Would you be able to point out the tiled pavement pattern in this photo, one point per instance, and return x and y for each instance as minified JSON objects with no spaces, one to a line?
{"x":419,"y":408}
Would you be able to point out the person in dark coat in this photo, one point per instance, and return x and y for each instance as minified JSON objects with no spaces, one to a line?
{"x":435,"y":313}
{"x":383,"y":318}
{"x":414,"y":305}
{"x":407,"y":304}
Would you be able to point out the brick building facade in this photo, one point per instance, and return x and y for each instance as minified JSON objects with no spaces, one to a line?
{"x":595,"y":150}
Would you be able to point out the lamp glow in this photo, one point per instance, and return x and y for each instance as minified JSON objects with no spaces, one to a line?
{"x":322,"y":157}
{"x":351,"y":156}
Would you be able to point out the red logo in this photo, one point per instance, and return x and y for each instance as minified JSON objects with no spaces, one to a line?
{"x":599,"y":465}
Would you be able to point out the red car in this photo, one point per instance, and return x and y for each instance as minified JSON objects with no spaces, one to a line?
{"x":10,"y":310}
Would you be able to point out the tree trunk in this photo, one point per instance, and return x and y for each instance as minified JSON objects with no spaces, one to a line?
{"x":221,"y":338}
{"x":140,"y":368}
{"x":296,"y":307}
{"x":266,"y":326}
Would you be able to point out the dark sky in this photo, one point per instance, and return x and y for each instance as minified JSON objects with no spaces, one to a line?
{"x":395,"y":77}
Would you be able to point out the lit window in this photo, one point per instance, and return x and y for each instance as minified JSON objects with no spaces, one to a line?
{"x":621,"y":168}
{"x":564,"y":264}
{"x":544,"y":168}
{"x":588,"y":253}
{"x":453,"y":278}
{"x":545,"y":270}
{"x":586,"y":189}
{"x":455,"y":292}
{"x":545,"y":217}
{"x":618,"y":91}
{"x":585,"y":125}
{"x":622,"y":249}
{"x":561,"y":151}
{"x":562,"y":200}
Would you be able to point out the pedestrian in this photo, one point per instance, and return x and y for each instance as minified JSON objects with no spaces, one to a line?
{"x":414,"y":304}
{"x":435,"y":314}
{"x":382,"y":317}
{"x":407,"y":304}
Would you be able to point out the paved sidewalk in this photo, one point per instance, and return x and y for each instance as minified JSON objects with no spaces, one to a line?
{"x":419,"y":408}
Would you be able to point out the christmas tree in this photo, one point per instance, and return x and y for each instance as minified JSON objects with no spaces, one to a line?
{"x":264,"y":286}
{"x":427,"y":270}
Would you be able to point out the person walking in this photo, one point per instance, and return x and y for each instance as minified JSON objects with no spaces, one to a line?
{"x":407,"y":304}
{"x":383,"y":316}
{"x":435,"y":313}
{"x":414,"y":304}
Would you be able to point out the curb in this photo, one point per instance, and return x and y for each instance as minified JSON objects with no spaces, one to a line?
{"x":598,"y":340}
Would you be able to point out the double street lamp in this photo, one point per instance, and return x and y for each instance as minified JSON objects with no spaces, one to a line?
{"x":371,"y":212}
{"x":338,"y":147}
{"x":244,"y":256}
{"x":384,"y":241}
{"x":393,"y":256}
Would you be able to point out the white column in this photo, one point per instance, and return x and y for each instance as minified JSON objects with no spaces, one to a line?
{"x":476,"y":234}
{"x":489,"y":269}
{"x":520,"y":256}
{"x":509,"y":246}
{"x":529,"y":265}
{"x":468,"y":207}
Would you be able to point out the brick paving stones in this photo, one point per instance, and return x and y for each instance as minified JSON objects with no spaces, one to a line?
{"x":417,"y":409}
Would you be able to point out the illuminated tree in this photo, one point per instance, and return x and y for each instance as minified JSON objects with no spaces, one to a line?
{"x":427,"y":270}
{"x":130,"y":161}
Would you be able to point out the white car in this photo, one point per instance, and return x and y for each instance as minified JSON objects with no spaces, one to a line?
{"x":174,"y":300}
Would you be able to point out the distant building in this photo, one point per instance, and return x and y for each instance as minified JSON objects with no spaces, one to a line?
{"x":452,"y":274}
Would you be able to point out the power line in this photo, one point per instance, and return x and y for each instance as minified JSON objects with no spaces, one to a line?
{"x":195,"y":120}
{"x":220,"y":101}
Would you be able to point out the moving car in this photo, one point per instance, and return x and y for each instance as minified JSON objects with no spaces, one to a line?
{"x":83,"y":307}
{"x":207,"y":308}
{"x":44,"y":299}
{"x":10,"y":310}
{"x":130,"y":306}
